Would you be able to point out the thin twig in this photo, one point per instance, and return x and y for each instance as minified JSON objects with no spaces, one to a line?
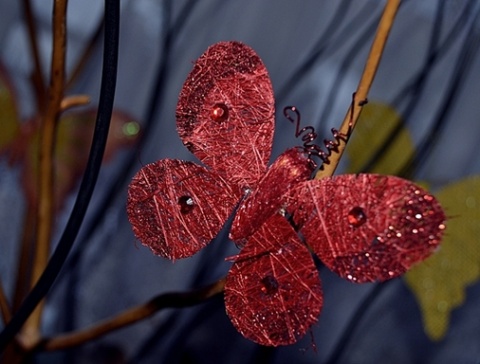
{"x":74,"y":101}
{"x":45,"y":210}
{"x":37,"y":77}
{"x":24,"y":261}
{"x":38,"y":84}
{"x":133,"y":315}
{"x":4,"y":306}
{"x":364,"y":85}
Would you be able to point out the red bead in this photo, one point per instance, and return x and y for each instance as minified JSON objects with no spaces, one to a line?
{"x":219,"y":113}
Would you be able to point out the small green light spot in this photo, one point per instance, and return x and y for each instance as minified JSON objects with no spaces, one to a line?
{"x":131,"y":129}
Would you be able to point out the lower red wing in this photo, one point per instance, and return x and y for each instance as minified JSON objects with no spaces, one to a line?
{"x":176,"y":207}
{"x":273,"y":292}
{"x":367,"y":227}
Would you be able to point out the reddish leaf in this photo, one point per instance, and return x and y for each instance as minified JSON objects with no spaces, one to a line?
{"x":273,"y":292}
{"x":367,"y":227}
{"x":74,"y":137}
{"x":176,"y":207}
{"x":225,"y":112}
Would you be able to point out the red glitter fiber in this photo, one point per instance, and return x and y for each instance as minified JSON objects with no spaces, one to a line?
{"x":288,"y":170}
{"x":225,"y":113}
{"x":367,"y":227}
{"x":225,"y":116}
{"x":176,"y":207}
{"x":273,"y":292}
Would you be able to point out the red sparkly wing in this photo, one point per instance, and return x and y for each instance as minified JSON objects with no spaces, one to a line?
{"x":290,"y":168}
{"x":273,"y":292}
{"x":225,"y":112}
{"x":176,"y":207}
{"x":367,"y":227}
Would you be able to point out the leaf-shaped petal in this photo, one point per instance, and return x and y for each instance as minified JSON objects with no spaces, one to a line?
{"x":441,"y":281}
{"x":225,"y":112}
{"x":273,"y":292}
{"x":367,"y":227}
{"x":176,"y":207}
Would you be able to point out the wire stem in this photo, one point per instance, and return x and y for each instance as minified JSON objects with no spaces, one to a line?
{"x":364,"y":85}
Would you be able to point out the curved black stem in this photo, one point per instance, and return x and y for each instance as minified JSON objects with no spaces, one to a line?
{"x":168,"y":33}
{"x":110,"y":197}
{"x":107,"y":93}
{"x":153,"y":106}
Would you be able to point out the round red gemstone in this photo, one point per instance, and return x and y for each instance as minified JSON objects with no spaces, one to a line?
{"x":220,"y":112}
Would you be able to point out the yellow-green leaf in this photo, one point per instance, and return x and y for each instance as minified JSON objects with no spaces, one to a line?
{"x":376,"y":124}
{"x":439,"y":283}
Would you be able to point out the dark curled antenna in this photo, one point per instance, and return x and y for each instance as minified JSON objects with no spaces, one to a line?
{"x":102,"y":124}
{"x":309,"y":135}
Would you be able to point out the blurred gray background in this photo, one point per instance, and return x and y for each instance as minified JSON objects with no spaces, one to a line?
{"x":315,"y":52}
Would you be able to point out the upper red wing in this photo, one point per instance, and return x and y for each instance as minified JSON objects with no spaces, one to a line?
{"x":367,"y":227}
{"x":176,"y":207}
{"x":225,"y":112}
{"x":273,"y":292}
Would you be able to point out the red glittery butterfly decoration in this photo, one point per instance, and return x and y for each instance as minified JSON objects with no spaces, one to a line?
{"x":364,"y":227}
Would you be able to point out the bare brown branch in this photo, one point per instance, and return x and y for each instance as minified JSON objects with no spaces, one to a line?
{"x":73,"y":101}
{"x":133,"y":315}
{"x":45,"y":210}
{"x":365,"y":83}
{"x":37,"y":77}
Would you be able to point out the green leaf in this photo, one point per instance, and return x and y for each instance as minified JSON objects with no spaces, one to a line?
{"x":439,"y":283}
{"x":376,"y":124}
